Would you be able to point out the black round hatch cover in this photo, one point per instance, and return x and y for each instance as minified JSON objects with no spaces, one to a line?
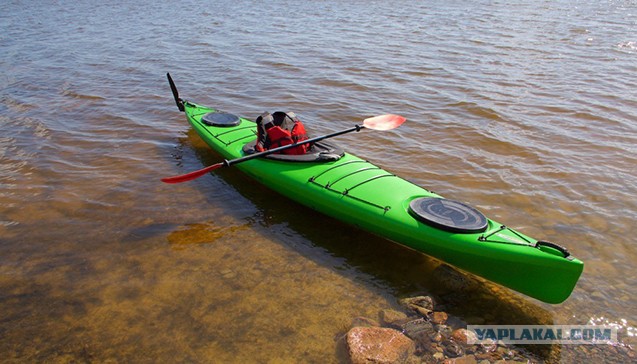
{"x":221,"y":119}
{"x":449,"y":215}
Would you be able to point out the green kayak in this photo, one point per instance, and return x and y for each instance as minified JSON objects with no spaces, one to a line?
{"x":357,"y":192}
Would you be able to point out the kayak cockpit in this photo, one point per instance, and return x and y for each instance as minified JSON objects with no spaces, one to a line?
{"x":319,"y":152}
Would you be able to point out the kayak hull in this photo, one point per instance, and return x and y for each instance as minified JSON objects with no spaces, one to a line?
{"x":359,"y":193}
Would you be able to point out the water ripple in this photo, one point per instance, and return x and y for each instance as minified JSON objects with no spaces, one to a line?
{"x":525,"y":109}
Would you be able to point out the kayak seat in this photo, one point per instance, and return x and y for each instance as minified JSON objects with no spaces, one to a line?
{"x":319,"y":152}
{"x":448,"y":215}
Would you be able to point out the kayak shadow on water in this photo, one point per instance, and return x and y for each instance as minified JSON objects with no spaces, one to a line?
{"x":390,"y":267}
{"x":403,"y":270}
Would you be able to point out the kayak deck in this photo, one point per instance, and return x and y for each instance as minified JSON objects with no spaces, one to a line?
{"x":360,"y":193}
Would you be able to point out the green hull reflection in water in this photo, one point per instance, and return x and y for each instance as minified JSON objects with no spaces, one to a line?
{"x":360,"y":193}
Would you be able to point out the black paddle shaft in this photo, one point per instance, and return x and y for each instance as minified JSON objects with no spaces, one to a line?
{"x":173,"y":88}
{"x":228,"y":163}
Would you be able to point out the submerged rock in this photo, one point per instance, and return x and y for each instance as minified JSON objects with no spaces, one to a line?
{"x":452,"y":349}
{"x":422,"y":333}
{"x":463,"y":336}
{"x":452,"y":279}
{"x":439,"y":317}
{"x":364,"y":322}
{"x":378,"y":345}
{"x":469,"y":359}
{"x":444,"y":330}
{"x":430,"y":336}
{"x":423,"y":305}
{"x":392,"y":318}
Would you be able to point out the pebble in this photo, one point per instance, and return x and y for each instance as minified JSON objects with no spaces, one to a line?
{"x":444,"y":330}
{"x":489,"y":357}
{"x":505,"y":352}
{"x":228,"y":274}
{"x":463,"y":336}
{"x":452,"y":349}
{"x":439,"y":317}
{"x":598,"y":295}
{"x":469,"y":359}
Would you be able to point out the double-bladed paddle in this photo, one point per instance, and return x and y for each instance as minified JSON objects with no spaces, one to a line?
{"x":381,"y":122}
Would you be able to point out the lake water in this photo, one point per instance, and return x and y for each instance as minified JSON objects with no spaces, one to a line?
{"x":524,"y":109}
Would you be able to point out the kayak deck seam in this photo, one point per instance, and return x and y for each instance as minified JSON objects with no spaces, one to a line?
{"x":233,"y":130}
{"x":351,"y":174}
{"x":313,"y":178}
{"x":236,"y":140}
{"x":345,"y":192}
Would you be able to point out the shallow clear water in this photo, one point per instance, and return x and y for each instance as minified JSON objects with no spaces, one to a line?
{"x":524,"y":109}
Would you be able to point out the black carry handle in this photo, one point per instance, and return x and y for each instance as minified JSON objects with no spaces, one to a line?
{"x":562,"y":249}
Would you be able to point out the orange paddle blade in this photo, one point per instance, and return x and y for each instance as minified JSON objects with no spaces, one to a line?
{"x":384,"y":122}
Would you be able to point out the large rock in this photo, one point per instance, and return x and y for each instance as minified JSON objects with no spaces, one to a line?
{"x":378,"y":345}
